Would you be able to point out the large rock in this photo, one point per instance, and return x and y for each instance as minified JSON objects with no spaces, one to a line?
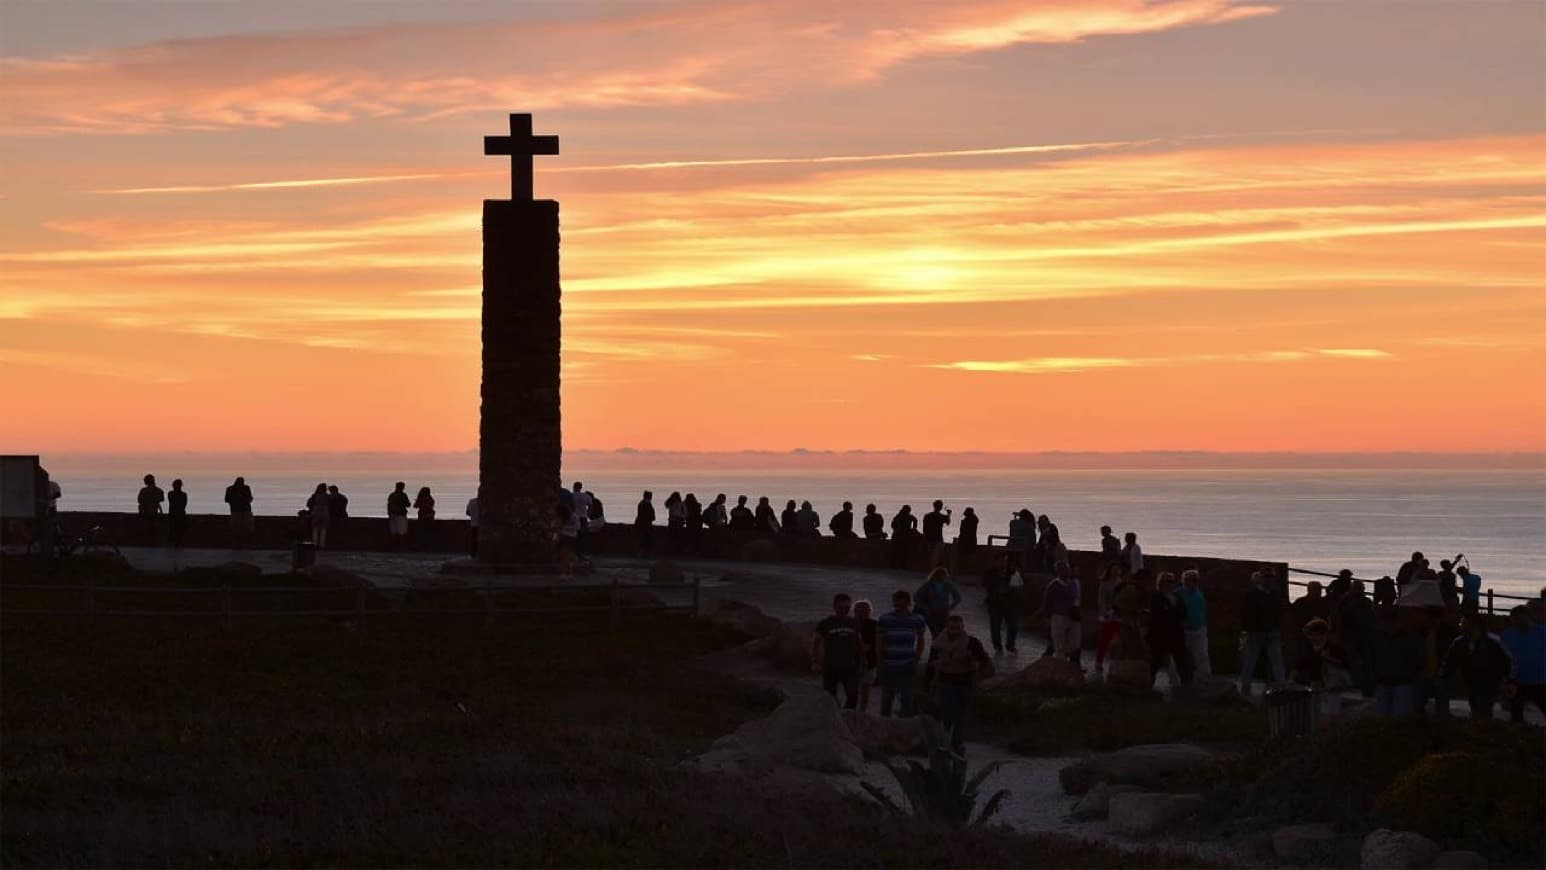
{"x":1129,"y":675}
{"x":1140,"y":813}
{"x":1304,"y":844}
{"x":1096,"y":803}
{"x":805,"y":732}
{"x":1149,"y":766}
{"x":1207,"y":690}
{"x":1459,"y":861}
{"x":745,"y":618}
{"x":1397,"y":850}
{"x":1049,"y":674}
{"x":884,"y":737}
{"x":762,"y":550}
{"x":666,"y":572}
{"x":787,"y":647}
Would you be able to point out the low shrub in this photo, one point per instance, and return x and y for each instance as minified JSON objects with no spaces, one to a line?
{"x":1098,"y":720}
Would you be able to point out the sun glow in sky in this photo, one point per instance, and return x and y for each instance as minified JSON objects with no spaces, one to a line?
{"x":1060,"y":225}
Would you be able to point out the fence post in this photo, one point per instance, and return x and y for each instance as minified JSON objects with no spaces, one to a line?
{"x":1489,"y":602}
{"x":617,"y":605}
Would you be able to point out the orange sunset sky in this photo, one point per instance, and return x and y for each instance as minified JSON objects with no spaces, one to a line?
{"x":1002,"y":226}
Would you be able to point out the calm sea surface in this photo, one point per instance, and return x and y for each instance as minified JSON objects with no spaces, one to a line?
{"x":1368,"y":521}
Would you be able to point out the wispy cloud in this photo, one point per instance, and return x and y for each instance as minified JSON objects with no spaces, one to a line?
{"x":1043,"y":365}
{"x":647,"y":56}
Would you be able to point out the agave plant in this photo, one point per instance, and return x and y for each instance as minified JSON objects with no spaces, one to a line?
{"x":942,"y":792}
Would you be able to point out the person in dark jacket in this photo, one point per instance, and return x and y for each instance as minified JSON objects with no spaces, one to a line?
{"x":1410,"y":570}
{"x":1385,"y":593}
{"x":789,"y":520}
{"x":1436,"y":635}
{"x":966,"y":536}
{"x":904,"y":528}
{"x":1167,"y":630}
{"x":1261,"y":617}
{"x":741,"y":516}
{"x":1398,"y":659}
{"x":1482,"y":663}
{"x":935,"y":600}
{"x":1312,"y":605}
{"x":177,"y":512}
{"x":1110,"y":548}
{"x":1003,"y":602}
{"x":644,"y":523}
{"x":766,"y":520}
{"x":1357,"y":629}
{"x":842,"y":523}
{"x":874,"y":524}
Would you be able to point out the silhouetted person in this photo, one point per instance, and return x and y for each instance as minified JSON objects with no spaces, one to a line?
{"x":1261,"y":616}
{"x":1470,"y":589}
{"x":1410,"y":570}
{"x":1110,"y":547}
{"x":809,"y":521}
{"x":319,"y":509}
{"x":936,"y":599}
{"x":874,"y":524}
{"x":1022,"y":538}
{"x":398,"y":504}
{"x":1482,"y":663}
{"x":1049,"y":543}
{"x":150,"y":500}
{"x":741,"y":516}
{"x":837,"y":652}
{"x":1132,"y":554}
{"x":337,"y":503}
{"x":239,"y":497}
{"x":582,"y":508}
{"x":842,"y":522}
{"x":598,"y":512}
{"x":934,"y":523}
{"x":1525,"y":640}
{"x":692,"y":530}
{"x":1449,"y":589}
{"x":717,"y":514}
{"x":1003,"y":603}
{"x":904,"y":527}
{"x":788,"y":521}
{"x":1385,"y":592}
{"x":644,"y":523}
{"x":424,"y":503}
{"x":966,"y":536}
{"x":676,"y":522}
{"x":177,"y":513}
{"x":956,"y":661}
{"x":1312,"y":605}
{"x":1397,"y":665}
{"x":766,"y":520}
{"x":1357,"y":626}
{"x":1167,"y":630}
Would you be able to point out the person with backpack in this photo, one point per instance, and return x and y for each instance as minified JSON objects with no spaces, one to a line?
{"x":957,"y":661}
{"x":935,"y":599}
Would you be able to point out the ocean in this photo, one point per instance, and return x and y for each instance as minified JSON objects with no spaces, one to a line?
{"x":1366,"y":520}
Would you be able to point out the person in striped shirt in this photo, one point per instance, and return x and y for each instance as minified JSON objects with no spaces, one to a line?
{"x":901,"y":646}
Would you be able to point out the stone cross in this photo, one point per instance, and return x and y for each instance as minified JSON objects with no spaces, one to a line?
{"x":520,"y":146}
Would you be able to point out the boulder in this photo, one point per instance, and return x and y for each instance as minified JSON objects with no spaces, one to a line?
{"x":1096,"y":803}
{"x":1049,"y":674}
{"x":666,"y":572}
{"x":1385,"y":849}
{"x":804,"y":732}
{"x":1149,"y":766}
{"x":1129,"y":675}
{"x":1139,"y":813}
{"x":884,"y":737}
{"x":762,"y":550}
{"x":1304,"y":844}
{"x":1207,"y":690}
{"x":745,"y":618}
{"x":1459,"y":861}
{"x":787,"y":647}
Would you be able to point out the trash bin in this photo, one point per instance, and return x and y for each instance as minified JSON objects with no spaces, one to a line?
{"x":1291,"y":712}
{"x":303,"y":556}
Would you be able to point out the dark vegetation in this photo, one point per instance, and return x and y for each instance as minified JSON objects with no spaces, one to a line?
{"x":1477,"y":785}
{"x":417,"y":739}
{"x":1035,"y":723}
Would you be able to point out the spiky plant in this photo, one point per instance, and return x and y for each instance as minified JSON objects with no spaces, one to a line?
{"x":942,"y":792}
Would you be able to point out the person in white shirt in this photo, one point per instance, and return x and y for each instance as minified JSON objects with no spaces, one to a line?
{"x":1132,"y":554}
{"x":582,"y":505}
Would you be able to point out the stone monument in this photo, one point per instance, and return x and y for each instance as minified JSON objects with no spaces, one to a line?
{"x":519,"y":439}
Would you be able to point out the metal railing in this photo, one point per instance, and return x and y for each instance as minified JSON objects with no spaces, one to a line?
{"x":1488,"y":595}
{"x":87,"y":598}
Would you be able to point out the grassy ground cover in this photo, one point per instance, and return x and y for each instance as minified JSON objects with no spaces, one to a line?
{"x":1097,"y":720}
{"x":418,"y":739}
